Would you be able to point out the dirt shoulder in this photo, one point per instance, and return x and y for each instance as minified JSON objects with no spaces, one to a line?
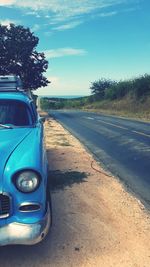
{"x":96,"y":222}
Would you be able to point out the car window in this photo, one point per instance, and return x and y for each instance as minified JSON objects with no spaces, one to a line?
{"x":14,"y":112}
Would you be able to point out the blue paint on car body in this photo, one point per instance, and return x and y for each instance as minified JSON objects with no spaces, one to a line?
{"x":22,"y":149}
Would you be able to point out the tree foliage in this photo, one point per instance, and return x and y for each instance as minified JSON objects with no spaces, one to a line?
{"x":98,"y":87}
{"x":142,"y":85}
{"x":119,"y":90}
{"x":60,"y":103}
{"x":107,"y":89}
{"x":18,"y":56}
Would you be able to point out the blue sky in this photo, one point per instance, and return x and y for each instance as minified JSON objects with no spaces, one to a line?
{"x":85,"y":40}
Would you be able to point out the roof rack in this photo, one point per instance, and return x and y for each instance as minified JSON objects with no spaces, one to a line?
{"x":9,"y":83}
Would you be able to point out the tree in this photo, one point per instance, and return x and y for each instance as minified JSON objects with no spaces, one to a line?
{"x":142,"y":85}
{"x":18,"y":56}
{"x":98,"y":87}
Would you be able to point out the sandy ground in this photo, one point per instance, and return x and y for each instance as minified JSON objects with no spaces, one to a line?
{"x":102,"y":224}
{"x":95,"y":221}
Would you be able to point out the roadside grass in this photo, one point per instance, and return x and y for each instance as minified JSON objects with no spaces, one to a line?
{"x":127,"y":107}
{"x":64,"y":143}
{"x":60,"y":141}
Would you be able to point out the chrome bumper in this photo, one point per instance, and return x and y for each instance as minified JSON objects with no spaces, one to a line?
{"x":25,"y":234}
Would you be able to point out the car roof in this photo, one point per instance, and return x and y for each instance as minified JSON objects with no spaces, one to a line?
{"x":20,"y":96}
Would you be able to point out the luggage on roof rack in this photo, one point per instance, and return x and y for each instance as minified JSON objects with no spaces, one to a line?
{"x":10,"y":83}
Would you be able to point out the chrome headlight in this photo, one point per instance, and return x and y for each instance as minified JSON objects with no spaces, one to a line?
{"x":27,"y":181}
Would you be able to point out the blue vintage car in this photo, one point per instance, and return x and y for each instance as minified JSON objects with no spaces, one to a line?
{"x":25,"y":203}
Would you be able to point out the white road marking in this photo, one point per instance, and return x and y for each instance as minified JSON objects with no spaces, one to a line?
{"x":89,"y":118}
{"x":118,"y":126}
{"x":115,"y":125}
{"x":147,"y":135}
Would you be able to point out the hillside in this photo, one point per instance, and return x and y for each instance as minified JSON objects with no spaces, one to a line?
{"x":127,"y":107}
{"x":129,"y":98}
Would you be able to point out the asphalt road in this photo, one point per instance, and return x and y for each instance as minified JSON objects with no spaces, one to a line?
{"x":121,"y":145}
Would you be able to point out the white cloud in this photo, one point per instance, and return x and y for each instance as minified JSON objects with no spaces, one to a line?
{"x":62,"y":86}
{"x":32,"y":13}
{"x":48,"y":34}
{"x":7,"y":2}
{"x":35,"y":27}
{"x":55,"y":83}
{"x":7,"y":22}
{"x":53,"y":79}
{"x":68,"y":26}
{"x":62,"y":9}
{"x":108,"y":14}
{"x":62,"y":52}
{"x":66,"y":14}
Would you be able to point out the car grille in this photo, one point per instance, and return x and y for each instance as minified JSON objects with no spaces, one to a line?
{"x":4,"y":206}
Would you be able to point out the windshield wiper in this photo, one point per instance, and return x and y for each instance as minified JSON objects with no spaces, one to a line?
{"x":5,"y":126}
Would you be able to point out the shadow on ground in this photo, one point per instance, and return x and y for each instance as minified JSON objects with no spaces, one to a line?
{"x":59,"y":180}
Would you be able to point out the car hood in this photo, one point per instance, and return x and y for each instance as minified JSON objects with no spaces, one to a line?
{"x":9,"y":140}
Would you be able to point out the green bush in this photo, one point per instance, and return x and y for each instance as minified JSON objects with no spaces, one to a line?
{"x":119,"y":90}
{"x":137,"y":87}
{"x":142,"y":86}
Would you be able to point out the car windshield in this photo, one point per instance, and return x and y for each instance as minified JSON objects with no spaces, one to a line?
{"x":13,"y":112}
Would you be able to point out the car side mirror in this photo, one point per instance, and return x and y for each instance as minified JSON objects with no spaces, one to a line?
{"x":42,"y":119}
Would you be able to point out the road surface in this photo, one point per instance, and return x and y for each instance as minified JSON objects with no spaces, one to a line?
{"x":122,"y":145}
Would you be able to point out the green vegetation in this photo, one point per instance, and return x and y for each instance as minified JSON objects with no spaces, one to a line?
{"x":61,"y":103}
{"x":99,"y":88}
{"x":107,"y":89}
{"x":18,"y":56}
{"x":127,"y":98}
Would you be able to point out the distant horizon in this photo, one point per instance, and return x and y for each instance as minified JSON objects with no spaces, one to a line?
{"x":63,"y":96}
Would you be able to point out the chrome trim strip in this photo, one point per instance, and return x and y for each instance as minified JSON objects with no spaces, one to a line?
{"x":4,"y":216}
{"x":30,"y":203}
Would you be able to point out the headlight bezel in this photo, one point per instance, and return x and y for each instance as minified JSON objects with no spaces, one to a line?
{"x":16,"y":176}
